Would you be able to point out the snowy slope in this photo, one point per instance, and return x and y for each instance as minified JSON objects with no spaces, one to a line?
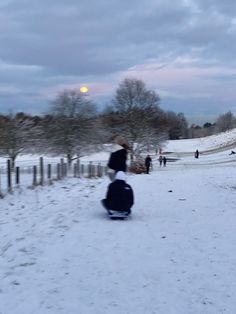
{"x":60,"y":254}
{"x":224,"y":140}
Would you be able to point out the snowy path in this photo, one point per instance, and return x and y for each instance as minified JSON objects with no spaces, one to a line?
{"x":60,"y":254}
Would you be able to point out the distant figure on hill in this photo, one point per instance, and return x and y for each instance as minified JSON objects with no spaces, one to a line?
{"x":232,"y":152}
{"x":160,"y":160}
{"x":148,"y":161}
{"x":196,"y":154}
{"x":164,"y":161}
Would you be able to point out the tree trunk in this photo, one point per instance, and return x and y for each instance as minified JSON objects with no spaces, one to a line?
{"x":69,"y":159}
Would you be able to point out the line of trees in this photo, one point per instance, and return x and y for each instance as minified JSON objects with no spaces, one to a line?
{"x":73,"y":125}
{"x":224,"y":122}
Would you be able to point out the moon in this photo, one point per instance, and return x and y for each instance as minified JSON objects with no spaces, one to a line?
{"x":83,"y":89}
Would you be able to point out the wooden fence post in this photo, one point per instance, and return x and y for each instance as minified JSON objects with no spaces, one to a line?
{"x":75,"y":170}
{"x":82,"y":170}
{"x":62,"y":167}
{"x":49,"y":171}
{"x":58,"y":171}
{"x":41,"y":171}
{"x":65,"y":168}
{"x":17,"y":175}
{"x":78,"y":167}
{"x":34,"y":175}
{"x":9,"y":184}
{"x":99,"y":171}
{"x":93,"y":171}
{"x":90,"y":169}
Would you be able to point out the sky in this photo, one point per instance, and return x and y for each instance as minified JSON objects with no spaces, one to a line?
{"x":184,"y":50}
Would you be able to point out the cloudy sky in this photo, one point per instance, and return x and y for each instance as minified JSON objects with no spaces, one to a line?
{"x":185,"y":50}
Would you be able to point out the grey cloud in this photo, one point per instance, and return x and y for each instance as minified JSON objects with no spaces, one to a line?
{"x":226,"y":7}
{"x":77,"y":40}
{"x":63,"y":37}
{"x":74,"y":37}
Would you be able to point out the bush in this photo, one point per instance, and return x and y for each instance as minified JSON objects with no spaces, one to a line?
{"x":137,"y":167}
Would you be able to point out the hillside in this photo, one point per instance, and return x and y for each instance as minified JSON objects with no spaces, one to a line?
{"x":210,"y":144}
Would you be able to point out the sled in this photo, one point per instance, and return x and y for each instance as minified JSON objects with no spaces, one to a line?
{"x":115,"y":214}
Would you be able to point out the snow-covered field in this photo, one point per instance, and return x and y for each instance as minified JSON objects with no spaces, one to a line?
{"x":209,"y":143}
{"x":60,"y":254}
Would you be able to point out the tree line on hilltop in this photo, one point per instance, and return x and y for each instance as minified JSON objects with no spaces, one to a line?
{"x":73,"y":126}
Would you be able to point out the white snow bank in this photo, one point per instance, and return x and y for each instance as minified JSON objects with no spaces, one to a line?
{"x":202,"y":144}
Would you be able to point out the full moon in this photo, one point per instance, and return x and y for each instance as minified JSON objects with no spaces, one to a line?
{"x":83,"y":89}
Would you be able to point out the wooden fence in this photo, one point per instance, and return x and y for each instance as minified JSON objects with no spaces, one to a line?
{"x":42,"y":174}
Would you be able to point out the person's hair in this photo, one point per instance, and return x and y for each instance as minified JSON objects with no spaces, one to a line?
{"x":120,"y":141}
{"x":125,"y":146}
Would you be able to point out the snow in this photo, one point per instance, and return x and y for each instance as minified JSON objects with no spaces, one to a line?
{"x":213,"y":142}
{"x":61,"y":254}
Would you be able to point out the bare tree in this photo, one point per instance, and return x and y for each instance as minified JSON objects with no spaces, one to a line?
{"x":16,"y":135}
{"x":135,"y":110}
{"x":226,"y":122}
{"x":177,"y":125}
{"x":73,"y":124}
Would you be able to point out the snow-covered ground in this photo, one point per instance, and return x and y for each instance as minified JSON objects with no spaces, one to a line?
{"x":60,"y":254}
{"x":209,"y":143}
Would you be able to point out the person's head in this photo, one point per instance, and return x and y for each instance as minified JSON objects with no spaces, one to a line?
{"x":120,"y":175}
{"x":120,"y":141}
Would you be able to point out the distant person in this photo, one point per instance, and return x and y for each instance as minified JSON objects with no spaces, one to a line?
{"x":148,"y":162}
{"x":164,"y":161}
{"x":120,"y":196}
{"x":196,"y":153}
{"x":232,"y":152}
{"x":160,"y":160}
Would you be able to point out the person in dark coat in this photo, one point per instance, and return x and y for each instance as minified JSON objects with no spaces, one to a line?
{"x":164,"y":161}
{"x":148,"y":161}
{"x":117,"y":160}
{"x":196,"y":153}
{"x":119,"y":195}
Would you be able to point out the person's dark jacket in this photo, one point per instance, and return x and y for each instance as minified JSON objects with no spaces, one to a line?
{"x":148,"y":161}
{"x":117,"y":160}
{"x":119,"y":196}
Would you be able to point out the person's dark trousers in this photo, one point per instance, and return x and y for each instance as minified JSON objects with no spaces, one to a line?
{"x":147,"y":169}
{"x":105,"y":205}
